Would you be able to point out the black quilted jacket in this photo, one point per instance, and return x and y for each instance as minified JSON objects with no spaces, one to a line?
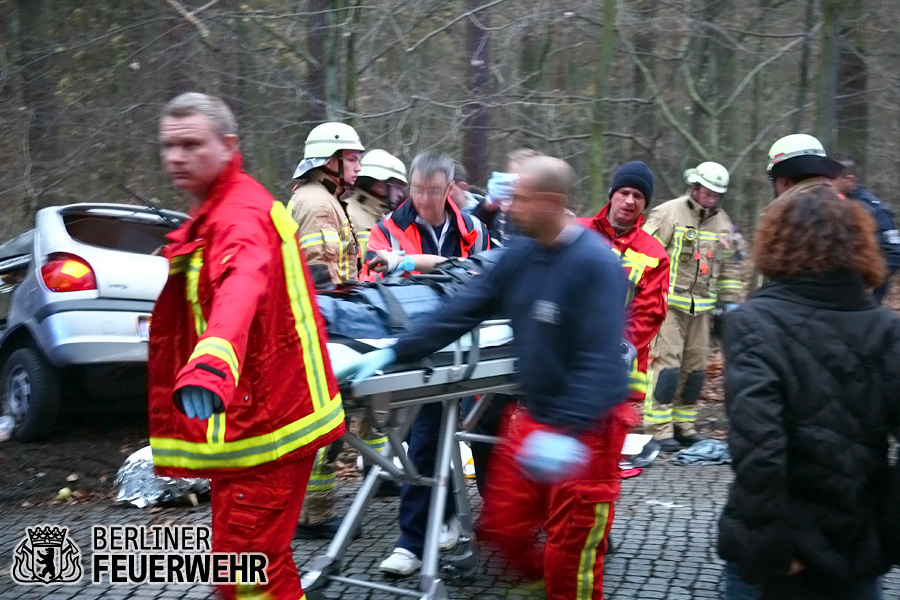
{"x":812,"y":389}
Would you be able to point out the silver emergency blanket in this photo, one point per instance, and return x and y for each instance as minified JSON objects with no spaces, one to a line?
{"x":141,"y":487}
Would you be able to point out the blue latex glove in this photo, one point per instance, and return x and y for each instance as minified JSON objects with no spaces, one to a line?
{"x":367,"y":365}
{"x":552,"y":457}
{"x":500,"y":188}
{"x":730,"y":307}
{"x":199,"y":403}
{"x":407,"y":264}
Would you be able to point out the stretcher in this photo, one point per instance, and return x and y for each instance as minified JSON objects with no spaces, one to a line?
{"x":482,"y":363}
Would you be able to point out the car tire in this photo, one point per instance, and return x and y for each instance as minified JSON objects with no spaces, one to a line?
{"x":29,"y":392}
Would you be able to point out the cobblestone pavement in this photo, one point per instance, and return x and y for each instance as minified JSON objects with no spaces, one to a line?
{"x":664,"y":532}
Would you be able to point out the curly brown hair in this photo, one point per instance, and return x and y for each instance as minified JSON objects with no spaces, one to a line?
{"x":815,"y":233}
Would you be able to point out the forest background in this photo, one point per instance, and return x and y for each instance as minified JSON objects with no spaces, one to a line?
{"x":600,"y":82}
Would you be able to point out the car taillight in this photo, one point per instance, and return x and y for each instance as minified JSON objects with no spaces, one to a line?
{"x":68,"y":273}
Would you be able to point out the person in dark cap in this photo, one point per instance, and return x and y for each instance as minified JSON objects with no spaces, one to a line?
{"x":700,"y":240}
{"x":645,"y":262}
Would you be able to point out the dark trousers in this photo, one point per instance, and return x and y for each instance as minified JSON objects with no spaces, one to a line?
{"x":414,"y":500}
{"x":488,"y":424}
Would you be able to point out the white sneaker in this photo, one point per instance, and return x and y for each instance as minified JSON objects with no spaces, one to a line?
{"x":449,"y":534}
{"x":401,"y":562}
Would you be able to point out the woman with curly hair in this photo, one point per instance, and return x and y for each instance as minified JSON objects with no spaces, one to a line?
{"x":812,"y":389}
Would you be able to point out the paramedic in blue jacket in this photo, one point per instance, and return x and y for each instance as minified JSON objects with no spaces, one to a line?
{"x":847,"y":183}
{"x":557,"y":467}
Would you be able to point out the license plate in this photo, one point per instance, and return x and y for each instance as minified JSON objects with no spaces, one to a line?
{"x":144,"y":328}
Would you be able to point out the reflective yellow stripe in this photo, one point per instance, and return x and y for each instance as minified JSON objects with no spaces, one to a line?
{"x":193,"y":280}
{"x":684,"y":303}
{"x":215,"y":429}
{"x":585,"y":589}
{"x":320,"y":238}
{"x":363,"y":237}
{"x":301,"y":307}
{"x":221,"y":349}
{"x":637,"y":380}
{"x":729,"y":284}
{"x":249,"y":452}
{"x":707,"y":236}
{"x":678,"y":239}
{"x":643,"y":259}
{"x":681,"y":415}
{"x":320,"y":481}
{"x":178,"y":264}
{"x":250,"y":591}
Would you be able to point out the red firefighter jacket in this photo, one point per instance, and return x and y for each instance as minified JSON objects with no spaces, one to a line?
{"x":238,"y":316}
{"x":646,"y":265}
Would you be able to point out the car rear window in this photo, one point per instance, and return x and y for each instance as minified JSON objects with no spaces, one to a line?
{"x":117,"y":233}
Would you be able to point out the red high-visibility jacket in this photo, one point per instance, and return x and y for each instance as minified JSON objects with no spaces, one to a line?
{"x":646,"y":265}
{"x":238,"y":317}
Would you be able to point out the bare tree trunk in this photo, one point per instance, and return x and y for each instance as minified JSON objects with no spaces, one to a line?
{"x":35,"y":60}
{"x":597,"y":167}
{"x":803,"y":84}
{"x":477,"y":121}
{"x":832,"y":14}
{"x":852,"y":104}
{"x":316,"y":34}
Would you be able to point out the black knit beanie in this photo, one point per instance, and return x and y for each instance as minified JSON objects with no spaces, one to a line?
{"x":634,"y":174}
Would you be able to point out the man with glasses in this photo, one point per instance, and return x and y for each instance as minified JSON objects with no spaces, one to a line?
{"x":428,"y":228}
{"x":424,"y":231}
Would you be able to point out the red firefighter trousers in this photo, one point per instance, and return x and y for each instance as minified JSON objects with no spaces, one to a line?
{"x":256,"y":510}
{"x":577,"y":515}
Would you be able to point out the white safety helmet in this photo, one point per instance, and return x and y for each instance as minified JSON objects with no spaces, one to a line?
{"x":382,"y":165}
{"x":801,"y":155}
{"x":710,"y":175}
{"x":323,"y":142}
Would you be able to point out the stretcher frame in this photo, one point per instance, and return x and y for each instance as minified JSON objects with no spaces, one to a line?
{"x":392,"y":401}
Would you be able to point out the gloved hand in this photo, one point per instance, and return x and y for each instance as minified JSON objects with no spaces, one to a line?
{"x":500,"y":188}
{"x":367,"y":365}
{"x":628,"y":353}
{"x":730,"y":307}
{"x":552,"y":457}
{"x":199,"y":403}
{"x":388,"y":261}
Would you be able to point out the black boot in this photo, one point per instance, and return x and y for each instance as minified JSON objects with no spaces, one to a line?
{"x":689,"y":440}
{"x":668,"y":445}
{"x":321,"y":531}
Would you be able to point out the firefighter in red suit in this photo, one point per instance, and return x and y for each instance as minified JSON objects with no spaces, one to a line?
{"x":556,"y":468}
{"x":645,"y":261}
{"x":241,"y":389}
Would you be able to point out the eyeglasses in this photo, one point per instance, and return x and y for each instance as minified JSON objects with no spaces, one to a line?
{"x":433,"y":193}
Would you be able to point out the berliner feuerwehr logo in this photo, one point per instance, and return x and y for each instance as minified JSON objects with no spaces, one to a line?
{"x":46,"y":556}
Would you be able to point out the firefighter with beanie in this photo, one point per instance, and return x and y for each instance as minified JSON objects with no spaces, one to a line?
{"x":645,"y":262}
{"x":699,"y":238}
{"x":329,"y":168}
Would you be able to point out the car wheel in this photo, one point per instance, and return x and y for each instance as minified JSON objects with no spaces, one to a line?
{"x":29,"y":393}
